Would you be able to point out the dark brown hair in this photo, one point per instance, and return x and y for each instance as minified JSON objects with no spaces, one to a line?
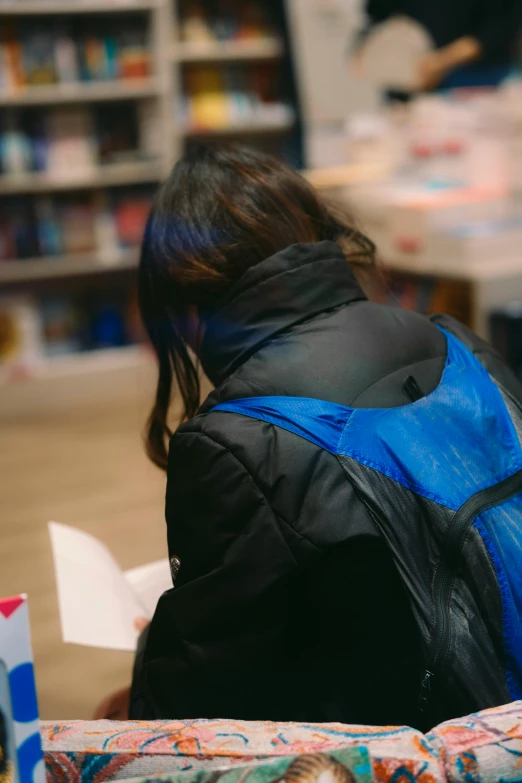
{"x":220,"y":212}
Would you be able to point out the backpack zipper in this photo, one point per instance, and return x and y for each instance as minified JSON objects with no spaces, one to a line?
{"x":446,"y":575}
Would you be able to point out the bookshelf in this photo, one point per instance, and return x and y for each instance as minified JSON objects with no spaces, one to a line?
{"x":232,"y":77}
{"x":158,"y":94}
{"x":100,"y":181}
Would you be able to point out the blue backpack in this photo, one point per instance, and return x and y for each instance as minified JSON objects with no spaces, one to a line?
{"x":442,"y":478}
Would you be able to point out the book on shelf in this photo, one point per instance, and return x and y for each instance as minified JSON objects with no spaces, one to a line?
{"x":48,"y":228}
{"x":33,"y":329}
{"x":231,"y":96}
{"x":134,"y":59}
{"x":131,"y":213}
{"x":66,"y":56}
{"x":117,"y":132}
{"x":20,"y":335}
{"x":208,"y":101}
{"x":71,"y":139}
{"x":17,"y":230}
{"x":150,"y":130}
{"x":61,"y":322}
{"x":224,"y":20}
{"x":38,"y":55}
{"x":104,"y":225}
{"x":99,"y":58}
{"x":105,"y":229}
{"x":11,"y":60}
{"x":78,"y":228}
{"x":15,"y":148}
{"x":70,"y":142}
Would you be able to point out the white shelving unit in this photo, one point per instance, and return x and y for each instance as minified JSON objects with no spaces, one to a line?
{"x":53,"y":7}
{"x":65,"y":266}
{"x":70,"y":382}
{"x":110,"y":175}
{"x":251,"y":128}
{"x":269,"y":48}
{"x":85,"y":92}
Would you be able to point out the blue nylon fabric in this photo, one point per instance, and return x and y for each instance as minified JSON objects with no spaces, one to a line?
{"x":501,"y":531}
{"x":315,"y":420}
{"x":447,"y":446}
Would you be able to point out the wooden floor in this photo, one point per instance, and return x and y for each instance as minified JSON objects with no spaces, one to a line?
{"x":85,"y":468}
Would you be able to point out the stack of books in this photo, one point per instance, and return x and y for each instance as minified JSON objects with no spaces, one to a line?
{"x":38,"y":54}
{"x":34,"y":329}
{"x":233,"y":96}
{"x":47,"y":227}
{"x":225,"y":20}
{"x":71,"y":141}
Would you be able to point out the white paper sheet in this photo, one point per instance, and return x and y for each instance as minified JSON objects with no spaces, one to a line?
{"x":149,"y":582}
{"x":98,"y":602}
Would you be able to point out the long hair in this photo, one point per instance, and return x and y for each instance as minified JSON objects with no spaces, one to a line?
{"x":220,"y":212}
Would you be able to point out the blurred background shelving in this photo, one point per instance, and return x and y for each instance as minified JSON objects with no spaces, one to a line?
{"x":97,"y":99}
{"x":232,"y":76}
{"x":84,"y":111}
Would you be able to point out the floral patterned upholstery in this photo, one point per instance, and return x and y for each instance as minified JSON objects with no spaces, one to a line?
{"x":482,"y":748}
{"x":95,"y":752}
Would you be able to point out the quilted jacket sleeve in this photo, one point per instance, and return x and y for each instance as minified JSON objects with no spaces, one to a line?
{"x":216,"y":639}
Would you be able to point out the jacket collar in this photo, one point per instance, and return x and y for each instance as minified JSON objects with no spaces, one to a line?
{"x":271,"y":297}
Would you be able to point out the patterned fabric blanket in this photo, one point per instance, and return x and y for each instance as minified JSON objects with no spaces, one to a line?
{"x":483,"y":748}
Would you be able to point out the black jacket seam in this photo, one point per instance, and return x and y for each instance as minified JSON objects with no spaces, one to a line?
{"x":267,"y":503}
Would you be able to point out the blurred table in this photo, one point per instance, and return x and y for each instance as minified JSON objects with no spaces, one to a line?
{"x":425,"y":237}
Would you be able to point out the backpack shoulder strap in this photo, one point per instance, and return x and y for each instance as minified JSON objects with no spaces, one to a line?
{"x":318,"y":421}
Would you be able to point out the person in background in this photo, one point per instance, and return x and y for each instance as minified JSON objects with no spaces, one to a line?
{"x":476,"y":41}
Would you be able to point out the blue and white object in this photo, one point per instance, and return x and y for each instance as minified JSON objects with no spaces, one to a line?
{"x":22,"y":753}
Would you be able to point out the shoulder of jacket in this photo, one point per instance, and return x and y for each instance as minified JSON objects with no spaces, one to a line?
{"x":472,"y":341}
{"x":214,"y":432}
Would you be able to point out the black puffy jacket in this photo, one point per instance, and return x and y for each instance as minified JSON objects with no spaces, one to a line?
{"x":287,"y":604}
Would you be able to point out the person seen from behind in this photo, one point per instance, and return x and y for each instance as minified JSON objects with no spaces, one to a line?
{"x":344,"y":510}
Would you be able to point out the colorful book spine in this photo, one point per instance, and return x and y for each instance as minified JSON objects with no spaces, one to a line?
{"x":210,"y":108}
{"x":66,"y":57}
{"x":48,"y":227}
{"x":12,"y":59}
{"x":38,"y":56}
